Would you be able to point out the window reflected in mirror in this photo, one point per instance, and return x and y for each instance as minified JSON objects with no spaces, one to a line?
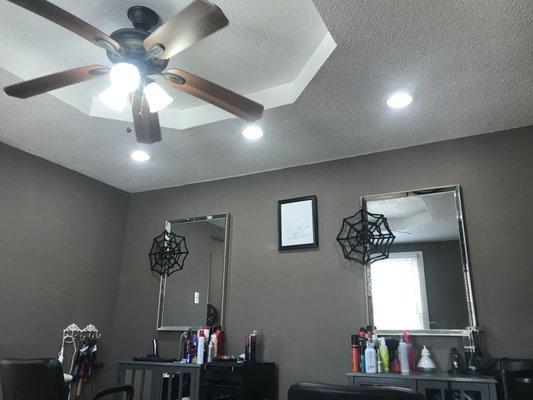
{"x":403,"y":275}
{"x":425,"y":282}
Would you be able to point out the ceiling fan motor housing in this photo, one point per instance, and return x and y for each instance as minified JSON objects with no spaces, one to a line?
{"x":131,"y":42}
{"x":143,"y":17}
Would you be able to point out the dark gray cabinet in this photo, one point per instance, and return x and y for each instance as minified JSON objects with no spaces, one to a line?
{"x":436,"y":386}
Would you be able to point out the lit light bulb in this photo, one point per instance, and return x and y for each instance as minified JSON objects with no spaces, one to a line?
{"x":157,"y":98}
{"x":125,"y":77}
{"x":399,"y":100}
{"x":114,"y":98}
{"x":140,"y":155}
{"x":252,"y":132}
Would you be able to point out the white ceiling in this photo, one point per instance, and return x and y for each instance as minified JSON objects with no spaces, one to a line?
{"x":469,"y":64}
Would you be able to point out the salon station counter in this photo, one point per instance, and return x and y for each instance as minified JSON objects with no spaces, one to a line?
{"x":226,"y":380}
{"x":432,"y":385}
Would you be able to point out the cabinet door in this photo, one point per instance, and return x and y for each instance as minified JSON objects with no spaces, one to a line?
{"x":378,"y":381}
{"x":471,"y":391}
{"x":432,"y":390}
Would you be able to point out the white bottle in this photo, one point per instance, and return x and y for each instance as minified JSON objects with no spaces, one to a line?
{"x":371,"y":359}
{"x":201,"y":350}
{"x":211,"y":349}
{"x":404,"y":357}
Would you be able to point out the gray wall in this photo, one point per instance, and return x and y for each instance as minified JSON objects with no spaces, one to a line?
{"x":443,"y":270}
{"x":61,"y":237}
{"x":307,"y":303}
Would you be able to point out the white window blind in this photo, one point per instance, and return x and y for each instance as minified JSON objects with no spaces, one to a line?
{"x":399,"y":292}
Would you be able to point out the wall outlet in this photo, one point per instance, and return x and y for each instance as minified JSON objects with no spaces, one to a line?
{"x":196,"y":297}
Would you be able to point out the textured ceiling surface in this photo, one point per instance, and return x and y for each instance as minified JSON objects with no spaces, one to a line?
{"x":469,"y":64}
{"x":424,"y":218}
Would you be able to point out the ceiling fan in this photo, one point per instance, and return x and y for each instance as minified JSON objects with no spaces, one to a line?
{"x":139,"y":54}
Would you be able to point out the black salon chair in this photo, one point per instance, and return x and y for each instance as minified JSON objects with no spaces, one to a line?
{"x":41,"y":379}
{"x":516,"y":378}
{"x":318,"y":391}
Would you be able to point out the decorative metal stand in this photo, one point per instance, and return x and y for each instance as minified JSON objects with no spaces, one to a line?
{"x":365,"y":237}
{"x":168,"y":253}
{"x":74,"y":330}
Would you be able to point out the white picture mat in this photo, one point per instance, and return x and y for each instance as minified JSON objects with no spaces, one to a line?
{"x":297,"y":223}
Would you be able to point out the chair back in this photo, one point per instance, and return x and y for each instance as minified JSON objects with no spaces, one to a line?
{"x":35,"y":379}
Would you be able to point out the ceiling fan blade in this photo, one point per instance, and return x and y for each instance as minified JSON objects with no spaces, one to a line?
{"x":146,"y":124}
{"x":58,"y":80}
{"x":192,"y":24}
{"x":68,"y":21}
{"x":212,"y":93}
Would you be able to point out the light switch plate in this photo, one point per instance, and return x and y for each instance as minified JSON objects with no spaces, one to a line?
{"x":196,"y":297}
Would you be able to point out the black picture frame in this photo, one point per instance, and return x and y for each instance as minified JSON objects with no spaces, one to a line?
{"x":313,"y":215}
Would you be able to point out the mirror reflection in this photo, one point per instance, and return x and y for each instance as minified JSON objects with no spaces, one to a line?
{"x":194,"y":296}
{"x":425,"y":282}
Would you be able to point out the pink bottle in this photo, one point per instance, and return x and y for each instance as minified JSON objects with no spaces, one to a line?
{"x":410,"y":351}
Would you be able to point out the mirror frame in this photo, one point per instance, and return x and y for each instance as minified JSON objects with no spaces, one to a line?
{"x":464,"y":257}
{"x":160,"y":327}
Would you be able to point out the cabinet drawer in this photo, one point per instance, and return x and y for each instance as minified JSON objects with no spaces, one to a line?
{"x":399,"y":382}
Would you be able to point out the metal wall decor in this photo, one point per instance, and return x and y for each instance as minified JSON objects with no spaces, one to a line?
{"x":168,"y":253}
{"x":365,"y":237}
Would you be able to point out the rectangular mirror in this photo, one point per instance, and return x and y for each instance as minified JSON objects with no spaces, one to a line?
{"x":424,"y":286}
{"x":195,"y":296}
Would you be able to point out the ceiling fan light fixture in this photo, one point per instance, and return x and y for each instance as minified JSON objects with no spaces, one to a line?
{"x":156,"y":96}
{"x":114,"y":98}
{"x":125,"y":77}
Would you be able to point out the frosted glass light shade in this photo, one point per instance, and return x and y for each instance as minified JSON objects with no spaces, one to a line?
{"x":114,"y":98}
{"x":157,"y":98}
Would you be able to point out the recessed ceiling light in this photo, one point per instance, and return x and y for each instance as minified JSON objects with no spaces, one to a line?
{"x":399,"y":100}
{"x":140,"y":155}
{"x":252,"y":132}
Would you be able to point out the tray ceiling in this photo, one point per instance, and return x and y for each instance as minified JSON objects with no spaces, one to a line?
{"x":469,"y":65}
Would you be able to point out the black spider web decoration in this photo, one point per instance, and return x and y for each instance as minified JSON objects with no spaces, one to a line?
{"x":365,"y":237}
{"x":168,"y":253}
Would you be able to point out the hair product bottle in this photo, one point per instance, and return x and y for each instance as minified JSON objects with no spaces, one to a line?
{"x":251,"y":347}
{"x":384,"y":355}
{"x":362,"y":349}
{"x":404,"y":358}
{"x":371,"y":359}
{"x":410,"y":351}
{"x":355,"y":354}
{"x":211,"y":349}
{"x":201,"y":348}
